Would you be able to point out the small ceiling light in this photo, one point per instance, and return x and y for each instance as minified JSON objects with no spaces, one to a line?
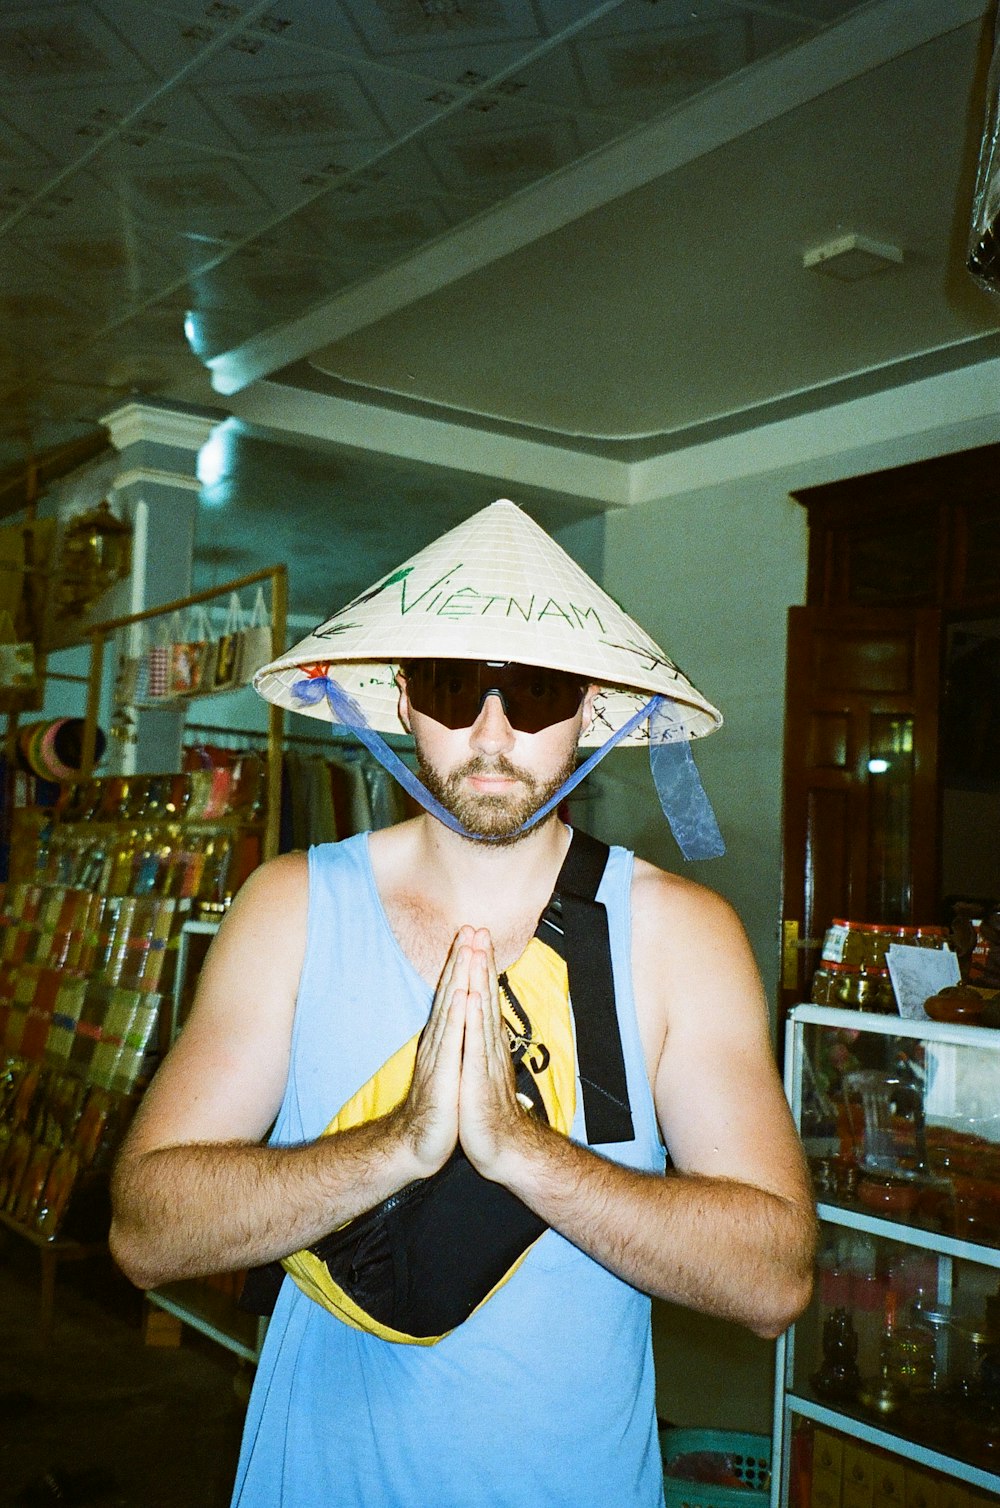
{"x":852,"y":257}
{"x":877,"y":766}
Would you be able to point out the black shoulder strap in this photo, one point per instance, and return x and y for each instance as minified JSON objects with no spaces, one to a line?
{"x":587,"y":951}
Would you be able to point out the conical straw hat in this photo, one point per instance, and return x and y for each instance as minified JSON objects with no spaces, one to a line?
{"x":497,"y":587}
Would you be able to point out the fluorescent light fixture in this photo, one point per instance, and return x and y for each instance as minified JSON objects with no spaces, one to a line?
{"x":877,"y":766}
{"x":851,"y":258}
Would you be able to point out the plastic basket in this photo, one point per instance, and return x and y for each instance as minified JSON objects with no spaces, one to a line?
{"x":748,"y":1455}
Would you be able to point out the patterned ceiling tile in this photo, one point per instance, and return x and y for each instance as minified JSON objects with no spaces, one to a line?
{"x":251,"y":57}
{"x":285,"y":291}
{"x":375,"y":235}
{"x":314,"y":234}
{"x":494,"y":81}
{"x":26,"y":273}
{"x":388,"y":233}
{"x":69,"y":124}
{"x":405,"y":100}
{"x":80,"y":205}
{"x":640,"y":73}
{"x":287,"y":24}
{"x":553,"y":82}
{"x":112,"y":273}
{"x":294,"y":111}
{"x":396,"y":176}
{"x":294,"y":241}
{"x":47,"y":51}
{"x":157,"y":328}
{"x":396,"y":26}
{"x":41,"y":320}
{"x":174,"y":124}
{"x":377,"y":212}
{"x":208,"y":196}
{"x":633,"y":15}
{"x":19,"y":154}
{"x":496,"y":163}
{"x":169,"y":40}
{"x":290,"y":180}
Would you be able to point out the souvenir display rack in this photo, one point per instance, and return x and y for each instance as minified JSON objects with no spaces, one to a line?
{"x":888,"y":1388}
{"x":100,"y":633}
{"x":101,"y":887}
{"x":89,"y":928}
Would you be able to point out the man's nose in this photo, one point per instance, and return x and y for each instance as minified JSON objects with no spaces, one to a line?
{"x":491,"y":733}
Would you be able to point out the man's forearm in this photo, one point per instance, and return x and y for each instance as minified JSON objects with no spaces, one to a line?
{"x":716,"y":1245}
{"x":189,"y":1210}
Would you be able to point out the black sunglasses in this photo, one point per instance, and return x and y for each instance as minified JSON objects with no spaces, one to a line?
{"x":452,"y":692}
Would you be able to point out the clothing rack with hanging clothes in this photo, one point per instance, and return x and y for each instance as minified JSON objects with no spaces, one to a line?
{"x":327,"y":792}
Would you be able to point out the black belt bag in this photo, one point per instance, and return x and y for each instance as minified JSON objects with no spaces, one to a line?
{"x":419,"y":1263}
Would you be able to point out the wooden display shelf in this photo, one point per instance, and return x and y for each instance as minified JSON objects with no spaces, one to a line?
{"x":51,"y":1251}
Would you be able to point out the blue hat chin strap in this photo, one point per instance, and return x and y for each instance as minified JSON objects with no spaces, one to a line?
{"x":675,"y":775}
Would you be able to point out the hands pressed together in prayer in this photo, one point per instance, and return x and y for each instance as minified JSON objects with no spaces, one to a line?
{"x":463,"y":1086}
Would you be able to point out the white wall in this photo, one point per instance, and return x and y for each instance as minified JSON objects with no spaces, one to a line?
{"x":710,"y":575}
{"x":709,"y":567}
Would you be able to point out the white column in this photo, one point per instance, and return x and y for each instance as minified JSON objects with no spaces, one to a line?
{"x":156,"y":489}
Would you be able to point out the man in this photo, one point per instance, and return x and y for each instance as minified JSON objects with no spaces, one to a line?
{"x":381,"y":991}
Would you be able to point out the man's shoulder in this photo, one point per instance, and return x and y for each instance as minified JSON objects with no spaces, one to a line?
{"x":280,"y":882}
{"x":660,"y":897}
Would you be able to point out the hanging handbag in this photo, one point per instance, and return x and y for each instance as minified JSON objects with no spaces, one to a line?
{"x":255,"y":640}
{"x":225,"y":659}
{"x":158,"y":659}
{"x":188,"y":653}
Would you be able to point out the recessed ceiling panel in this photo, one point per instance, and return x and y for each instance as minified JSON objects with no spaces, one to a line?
{"x":634,"y":319}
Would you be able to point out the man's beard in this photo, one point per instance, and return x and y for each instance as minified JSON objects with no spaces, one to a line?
{"x":489,"y":814}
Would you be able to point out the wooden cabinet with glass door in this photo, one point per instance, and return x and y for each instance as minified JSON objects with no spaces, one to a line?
{"x":891,"y":775}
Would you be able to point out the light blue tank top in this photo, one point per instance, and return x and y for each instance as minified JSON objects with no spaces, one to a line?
{"x":544,"y":1398}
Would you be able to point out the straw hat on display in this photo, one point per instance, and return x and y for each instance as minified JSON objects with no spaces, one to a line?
{"x":496,"y":588}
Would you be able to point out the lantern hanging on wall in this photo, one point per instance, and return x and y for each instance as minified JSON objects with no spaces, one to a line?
{"x":96,"y":552}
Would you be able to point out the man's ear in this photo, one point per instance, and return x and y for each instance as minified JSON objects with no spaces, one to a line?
{"x":588,"y":707}
{"x":403,"y":707}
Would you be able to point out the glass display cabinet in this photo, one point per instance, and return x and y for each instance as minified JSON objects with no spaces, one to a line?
{"x":888,"y":1388}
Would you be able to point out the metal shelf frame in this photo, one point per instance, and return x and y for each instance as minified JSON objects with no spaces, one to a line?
{"x":788,"y":1403}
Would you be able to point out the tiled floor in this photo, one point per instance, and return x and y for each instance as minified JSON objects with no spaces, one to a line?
{"x":110,"y":1421}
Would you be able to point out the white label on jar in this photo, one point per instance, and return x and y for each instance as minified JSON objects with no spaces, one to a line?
{"x":833,"y":943}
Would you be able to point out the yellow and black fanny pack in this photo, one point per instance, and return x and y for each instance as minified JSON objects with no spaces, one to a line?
{"x":416,"y":1265}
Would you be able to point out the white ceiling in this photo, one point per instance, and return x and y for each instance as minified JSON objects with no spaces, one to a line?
{"x":416,"y":225}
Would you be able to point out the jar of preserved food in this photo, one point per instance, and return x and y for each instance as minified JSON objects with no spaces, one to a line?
{"x":862,"y":945}
{"x":864,"y":989}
